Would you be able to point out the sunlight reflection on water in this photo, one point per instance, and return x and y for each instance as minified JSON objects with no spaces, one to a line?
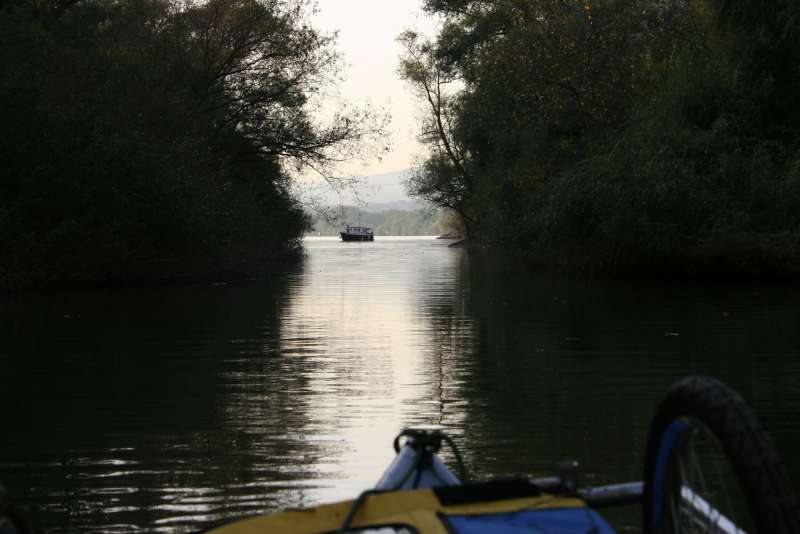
{"x":170,"y":410}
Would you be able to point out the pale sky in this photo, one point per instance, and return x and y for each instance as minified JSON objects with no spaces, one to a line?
{"x":367,"y":32}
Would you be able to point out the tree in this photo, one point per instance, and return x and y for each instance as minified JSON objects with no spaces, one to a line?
{"x":264,"y":67}
{"x":444,"y":179}
{"x":537,"y":82}
{"x":164,"y":133}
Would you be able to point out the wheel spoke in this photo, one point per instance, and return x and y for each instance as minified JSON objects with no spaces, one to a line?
{"x":698,"y":471}
{"x":700,"y":487}
{"x":686,"y":516}
{"x":727,"y":480}
{"x":723,"y":477}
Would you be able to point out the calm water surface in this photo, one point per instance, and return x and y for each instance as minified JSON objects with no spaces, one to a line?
{"x":170,"y":410}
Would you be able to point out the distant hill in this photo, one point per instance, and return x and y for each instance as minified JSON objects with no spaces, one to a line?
{"x":398,"y":205}
{"x":385,"y":222}
{"x":376,"y":192}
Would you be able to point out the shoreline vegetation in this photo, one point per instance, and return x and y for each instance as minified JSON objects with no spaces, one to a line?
{"x":152,"y":141}
{"x":608,"y":138}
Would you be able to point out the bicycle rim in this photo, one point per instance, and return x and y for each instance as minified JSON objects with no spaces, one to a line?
{"x":703,"y":494}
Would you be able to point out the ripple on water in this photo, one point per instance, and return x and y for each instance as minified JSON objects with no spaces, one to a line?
{"x":170,"y":410}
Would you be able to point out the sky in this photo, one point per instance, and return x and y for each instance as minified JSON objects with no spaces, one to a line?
{"x":367,"y":32}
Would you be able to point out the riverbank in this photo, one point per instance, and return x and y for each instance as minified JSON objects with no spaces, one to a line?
{"x":157,"y":272}
{"x":676,"y":154}
{"x":154,"y":168}
{"x":742,"y":261}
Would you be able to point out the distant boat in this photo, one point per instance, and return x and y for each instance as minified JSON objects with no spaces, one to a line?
{"x":357,"y":233}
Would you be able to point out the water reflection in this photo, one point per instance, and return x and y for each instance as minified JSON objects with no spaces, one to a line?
{"x":172,"y":409}
{"x":570,"y":369}
{"x":354,"y":326}
{"x":117,"y":407}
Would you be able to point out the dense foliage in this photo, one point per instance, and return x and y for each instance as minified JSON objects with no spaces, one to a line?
{"x":148,"y":140}
{"x":617,"y":135}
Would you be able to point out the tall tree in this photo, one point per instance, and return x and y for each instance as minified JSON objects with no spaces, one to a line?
{"x":537,"y":80}
{"x":164,"y":132}
{"x":444,"y":179}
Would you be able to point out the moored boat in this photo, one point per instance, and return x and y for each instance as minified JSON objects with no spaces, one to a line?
{"x":357,"y":233}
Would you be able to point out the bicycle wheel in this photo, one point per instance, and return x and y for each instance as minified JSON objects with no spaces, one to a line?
{"x":710,"y":467}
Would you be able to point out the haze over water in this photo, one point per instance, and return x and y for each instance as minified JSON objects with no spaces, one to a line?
{"x":173,"y":409}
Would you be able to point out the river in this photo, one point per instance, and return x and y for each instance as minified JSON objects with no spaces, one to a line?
{"x":172,"y":409}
